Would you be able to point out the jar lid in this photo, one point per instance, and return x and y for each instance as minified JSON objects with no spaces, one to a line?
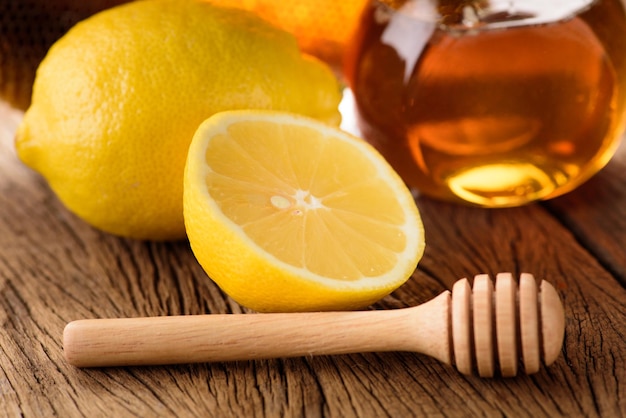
{"x":489,"y":14}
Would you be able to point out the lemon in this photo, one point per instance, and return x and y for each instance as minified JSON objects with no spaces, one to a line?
{"x":117,"y":100}
{"x":286,"y":213}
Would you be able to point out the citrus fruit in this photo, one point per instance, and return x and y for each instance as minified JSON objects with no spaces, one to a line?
{"x":286,"y":213}
{"x":323,"y":28}
{"x":117,"y":100}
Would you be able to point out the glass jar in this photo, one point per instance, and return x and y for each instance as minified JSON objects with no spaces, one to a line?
{"x":494,"y":103}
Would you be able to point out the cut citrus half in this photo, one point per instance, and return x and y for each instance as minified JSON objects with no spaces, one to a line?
{"x":286,"y":213}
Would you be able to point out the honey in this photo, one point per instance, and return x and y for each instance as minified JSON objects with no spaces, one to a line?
{"x":493,"y":103}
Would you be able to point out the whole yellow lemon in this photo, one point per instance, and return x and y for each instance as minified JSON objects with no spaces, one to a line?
{"x":117,"y":100}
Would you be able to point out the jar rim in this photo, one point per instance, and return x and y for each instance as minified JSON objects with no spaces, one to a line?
{"x":471,"y":15}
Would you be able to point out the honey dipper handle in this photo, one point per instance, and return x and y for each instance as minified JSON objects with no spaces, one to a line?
{"x":205,"y":338}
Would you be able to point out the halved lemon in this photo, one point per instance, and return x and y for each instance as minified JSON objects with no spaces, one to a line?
{"x":286,"y":213}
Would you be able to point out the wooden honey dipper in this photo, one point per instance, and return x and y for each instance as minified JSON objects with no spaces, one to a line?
{"x":479,"y":330}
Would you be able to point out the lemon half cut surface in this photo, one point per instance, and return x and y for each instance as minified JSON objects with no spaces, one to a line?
{"x":286,"y":213}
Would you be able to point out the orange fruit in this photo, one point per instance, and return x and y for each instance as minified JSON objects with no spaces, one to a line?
{"x":323,"y":28}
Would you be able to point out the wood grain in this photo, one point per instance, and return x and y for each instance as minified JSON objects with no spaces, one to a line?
{"x":55,"y":269}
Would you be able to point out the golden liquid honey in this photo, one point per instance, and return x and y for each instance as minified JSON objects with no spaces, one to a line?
{"x":495,"y":103}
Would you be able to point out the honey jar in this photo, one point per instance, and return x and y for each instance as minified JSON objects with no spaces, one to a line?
{"x":489,"y":102}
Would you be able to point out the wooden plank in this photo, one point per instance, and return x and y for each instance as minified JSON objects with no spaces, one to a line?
{"x":596,"y":213}
{"x":54,"y":269}
{"x":588,"y":375}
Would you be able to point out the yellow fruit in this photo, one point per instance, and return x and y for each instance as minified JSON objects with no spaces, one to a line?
{"x":116,"y":102}
{"x":285,"y":213}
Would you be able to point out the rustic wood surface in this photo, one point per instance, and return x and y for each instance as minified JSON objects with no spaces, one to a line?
{"x":55,"y":269}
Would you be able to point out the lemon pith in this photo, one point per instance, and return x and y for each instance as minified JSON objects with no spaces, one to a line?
{"x":116,"y":102}
{"x":285,"y":213}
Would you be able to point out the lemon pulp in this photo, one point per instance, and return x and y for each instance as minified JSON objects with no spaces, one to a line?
{"x":301,"y":206}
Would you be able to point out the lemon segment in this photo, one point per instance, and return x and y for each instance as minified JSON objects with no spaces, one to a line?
{"x":286,"y":213}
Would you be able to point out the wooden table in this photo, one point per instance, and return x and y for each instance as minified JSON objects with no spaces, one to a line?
{"x":54,"y":269}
